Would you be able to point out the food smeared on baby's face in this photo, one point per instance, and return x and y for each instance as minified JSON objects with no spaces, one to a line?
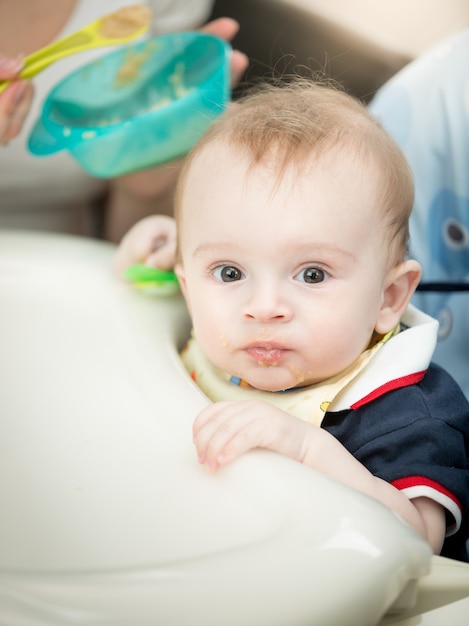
{"x":125,"y":22}
{"x":224,"y":342}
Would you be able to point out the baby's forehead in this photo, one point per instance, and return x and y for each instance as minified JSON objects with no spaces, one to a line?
{"x":222,"y":170}
{"x":278,"y":163}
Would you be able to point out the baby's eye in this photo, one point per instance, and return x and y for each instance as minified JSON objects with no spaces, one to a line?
{"x":228,"y":273}
{"x":311,"y":275}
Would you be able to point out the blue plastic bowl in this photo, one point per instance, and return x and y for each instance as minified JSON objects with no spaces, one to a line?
{"x":137,"y":107}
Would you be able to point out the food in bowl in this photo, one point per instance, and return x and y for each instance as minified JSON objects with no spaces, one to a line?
{"x":137,"y":107}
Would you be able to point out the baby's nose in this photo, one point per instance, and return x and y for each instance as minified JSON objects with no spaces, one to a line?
{"x":267,"y":305}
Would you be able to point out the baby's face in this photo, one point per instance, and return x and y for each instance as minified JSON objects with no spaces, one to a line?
{"x":284,"y":283}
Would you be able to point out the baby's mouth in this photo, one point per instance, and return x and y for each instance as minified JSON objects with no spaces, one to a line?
{"x":266,"y":355}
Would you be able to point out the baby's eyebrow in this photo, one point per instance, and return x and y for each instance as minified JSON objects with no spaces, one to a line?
{"x":322,"y":247}
{"x":310,"y":250}
{"x":218,"y":247}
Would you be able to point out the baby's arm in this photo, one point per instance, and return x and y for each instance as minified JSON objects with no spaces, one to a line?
{"x":225,"y":430}
{"x":151,"y":241}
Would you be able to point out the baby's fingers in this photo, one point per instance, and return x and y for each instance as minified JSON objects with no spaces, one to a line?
{"x":164,"y":256}
{"x":151,"y":241}
{"x":224,"y":431}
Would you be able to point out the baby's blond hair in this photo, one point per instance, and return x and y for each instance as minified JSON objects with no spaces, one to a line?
{"x":296,"y":122}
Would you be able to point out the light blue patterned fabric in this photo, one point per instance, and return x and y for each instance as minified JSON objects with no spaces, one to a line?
{"x":425,"y":107}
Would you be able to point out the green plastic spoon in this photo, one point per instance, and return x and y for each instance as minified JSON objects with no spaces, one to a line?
{"x":151,"y":280}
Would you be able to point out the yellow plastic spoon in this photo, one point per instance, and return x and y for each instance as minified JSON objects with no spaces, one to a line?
{"x":113,"y":29}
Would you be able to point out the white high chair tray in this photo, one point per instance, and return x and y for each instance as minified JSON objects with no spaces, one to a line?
{"x":106,"y":515}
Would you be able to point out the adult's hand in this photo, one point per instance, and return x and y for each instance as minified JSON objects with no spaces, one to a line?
{"x":15,"y":101}
{"x":226,"y":28}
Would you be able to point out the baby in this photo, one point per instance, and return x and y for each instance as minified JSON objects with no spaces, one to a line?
{"x":292,"y":227}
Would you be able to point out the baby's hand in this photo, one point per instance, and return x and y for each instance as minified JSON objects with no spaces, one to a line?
{"x":152,"y":242}
{"x":225,"y":430}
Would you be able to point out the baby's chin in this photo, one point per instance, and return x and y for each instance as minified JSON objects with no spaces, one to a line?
{"x":272,"y":380}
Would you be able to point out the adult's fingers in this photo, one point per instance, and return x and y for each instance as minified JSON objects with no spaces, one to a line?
{"x":10,"y":67}
{"x":227,"y":28}
{"x":15,"y":103}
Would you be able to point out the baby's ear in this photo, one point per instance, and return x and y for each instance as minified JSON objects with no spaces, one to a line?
{"x":400,"y":284}
{"x":180,"y":273}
